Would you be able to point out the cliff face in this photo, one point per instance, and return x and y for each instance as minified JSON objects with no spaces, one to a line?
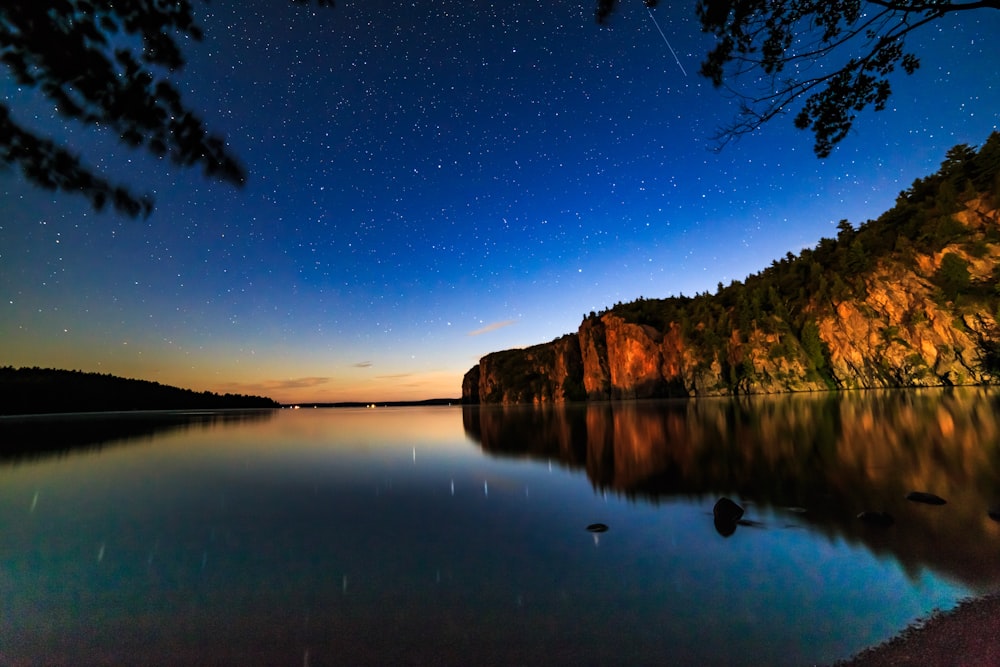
{"x":900,"y":337}
{"x":896,"y":327}
{"x":547,"y":373}
{"x":470,"y":386}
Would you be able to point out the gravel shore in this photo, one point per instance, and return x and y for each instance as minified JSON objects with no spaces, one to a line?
{"x":967,"y":636}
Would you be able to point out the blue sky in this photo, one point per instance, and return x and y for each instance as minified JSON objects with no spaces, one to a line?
{"x":429,"y":183}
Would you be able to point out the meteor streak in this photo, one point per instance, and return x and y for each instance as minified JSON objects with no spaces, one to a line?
{"x":666,"y":41}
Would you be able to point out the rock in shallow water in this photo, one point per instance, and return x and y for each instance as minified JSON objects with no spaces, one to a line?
{"x":877,"y":518}
{"x":727,"y":511}
{"x":924,"y":497}
{"x":727,"y":516}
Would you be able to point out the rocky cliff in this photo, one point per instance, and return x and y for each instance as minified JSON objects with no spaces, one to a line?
{"x":548,"y":373}
{"x":911,"y":299}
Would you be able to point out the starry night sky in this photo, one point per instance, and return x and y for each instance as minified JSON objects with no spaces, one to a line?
{"x":431,"y":182}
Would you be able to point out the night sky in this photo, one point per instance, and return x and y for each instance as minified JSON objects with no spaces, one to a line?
{"x":431,"y":182}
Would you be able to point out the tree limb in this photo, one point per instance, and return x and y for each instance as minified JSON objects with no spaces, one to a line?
{"x":765,"y":37}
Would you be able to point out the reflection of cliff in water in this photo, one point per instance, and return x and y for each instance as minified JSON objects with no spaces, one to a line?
{"x":53,"y":435}
{"x":833,"y":455}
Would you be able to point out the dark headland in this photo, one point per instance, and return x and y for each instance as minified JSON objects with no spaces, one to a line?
{"x":26,"y":391}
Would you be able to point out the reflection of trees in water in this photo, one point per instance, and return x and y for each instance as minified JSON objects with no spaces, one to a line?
{"x":36,"y":437}
{"x":833,"y":454}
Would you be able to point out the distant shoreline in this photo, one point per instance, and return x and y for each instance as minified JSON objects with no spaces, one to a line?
{"x":136,"y":414}
{"x":376,"y":404}
{"x":140,"y":412}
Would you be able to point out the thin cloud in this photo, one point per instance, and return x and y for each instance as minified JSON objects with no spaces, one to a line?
{"x":363,"y":364}
{"x":393,"y":377}
{"x":267,"y":386}
{"x":296,"y":383}
{"x":492,"y":327}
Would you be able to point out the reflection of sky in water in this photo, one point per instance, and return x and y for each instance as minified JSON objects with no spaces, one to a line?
{"x":374,"y":536}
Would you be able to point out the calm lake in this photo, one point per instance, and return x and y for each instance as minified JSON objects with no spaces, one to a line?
{"x":453,"y":535}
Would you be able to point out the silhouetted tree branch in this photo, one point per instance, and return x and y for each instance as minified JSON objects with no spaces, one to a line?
{"x":105,"y":64}
{"x":831,"y":58}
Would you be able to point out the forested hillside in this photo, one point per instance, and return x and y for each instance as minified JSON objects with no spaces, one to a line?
{"x":46,"y":390}
{"x":909,"y":299}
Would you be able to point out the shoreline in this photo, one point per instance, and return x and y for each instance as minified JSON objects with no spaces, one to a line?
{"x":969,"y":634}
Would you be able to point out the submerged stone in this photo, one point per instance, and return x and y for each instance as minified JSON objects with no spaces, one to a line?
{"x":725,"y":528}
{"x":727,"y":511}
{"x":727,"y":515}
{"x":924,"y":497}
{"x":877,"y":518}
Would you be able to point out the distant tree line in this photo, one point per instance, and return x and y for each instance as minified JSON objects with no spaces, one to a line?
{"x":46,"y":390}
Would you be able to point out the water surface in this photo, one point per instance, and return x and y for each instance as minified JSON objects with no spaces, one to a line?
{"x":459,"y":535}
